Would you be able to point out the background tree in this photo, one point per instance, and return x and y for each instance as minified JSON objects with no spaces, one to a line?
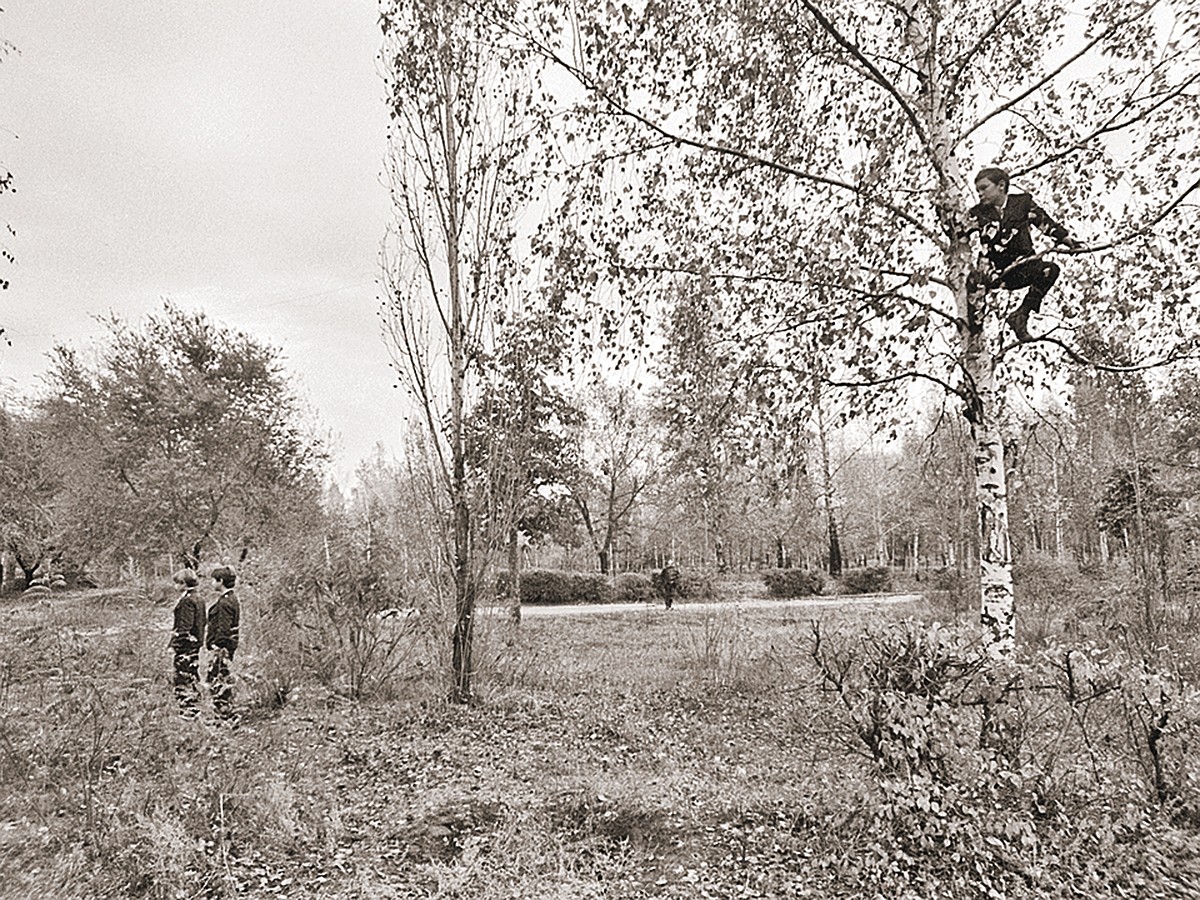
{"x":816,"y":159}
{"x":703,"y":401}
{"x":619,"y":463}
{"x":27,"y":497}
{"x":520,"y":435}
{"x":457,"y":98}
{"x":182,"y":437}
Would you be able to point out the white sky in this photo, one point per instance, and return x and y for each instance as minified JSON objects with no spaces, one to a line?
{"x":223,"y":154}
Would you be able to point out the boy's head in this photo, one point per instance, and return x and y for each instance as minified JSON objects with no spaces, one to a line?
{"x":992,"y":185}
{"x":224,"y":576}
{"x":185,"y":578}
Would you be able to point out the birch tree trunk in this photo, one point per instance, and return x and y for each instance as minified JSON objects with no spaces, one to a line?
{"x":997,"y":613}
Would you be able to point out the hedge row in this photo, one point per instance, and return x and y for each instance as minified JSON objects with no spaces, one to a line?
{"x":547,"y":587}
{"x":793,"y":582}
{"x":873,"y":580}
{"x":805,"y":583}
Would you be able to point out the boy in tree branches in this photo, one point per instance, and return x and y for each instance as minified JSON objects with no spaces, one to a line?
{"x":1003,"y":220}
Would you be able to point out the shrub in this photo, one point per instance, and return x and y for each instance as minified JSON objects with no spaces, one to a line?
{"x":696,"y":587}
{"x":542,"y":586}
{"x":632,"y":587}
{"x":793,"y":582}
{"x":872,"y":580}
{"x":692,"y":586}
{"x":353,"y":623}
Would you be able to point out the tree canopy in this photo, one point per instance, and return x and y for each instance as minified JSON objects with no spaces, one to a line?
{"x":181,"y":436}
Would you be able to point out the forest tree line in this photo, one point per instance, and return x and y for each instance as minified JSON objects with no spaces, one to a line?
{"x":182,"y":443}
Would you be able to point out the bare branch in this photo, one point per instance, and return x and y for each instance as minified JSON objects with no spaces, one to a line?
{"x":1053,"y":73}
{"x":876,"y":75}
{"x":960,"y":64}
{"x":625,"y":111}
{"x":903,"y":376}
{"x":1172,"y":358}
{"x":1110,"y":127}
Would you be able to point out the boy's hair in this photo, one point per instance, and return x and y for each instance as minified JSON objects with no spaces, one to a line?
{"x":994,"y":175}
{"x":225,"y":575}
{"x":186,"y":577}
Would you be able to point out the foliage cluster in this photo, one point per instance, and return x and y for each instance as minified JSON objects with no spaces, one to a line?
{"x":634,"y":587}
{"x":976,"y":788}
{"x":793,"y":582}
{"x":546,"y":587}
{"x":178,"y":441}
{"x":549,"y":587}
{"x":871,"y":580}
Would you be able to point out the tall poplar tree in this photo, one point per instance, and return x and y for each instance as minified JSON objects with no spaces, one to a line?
{"x":457,"y":100}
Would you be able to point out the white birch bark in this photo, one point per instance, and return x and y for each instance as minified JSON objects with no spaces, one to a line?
{"x":996,"y":604}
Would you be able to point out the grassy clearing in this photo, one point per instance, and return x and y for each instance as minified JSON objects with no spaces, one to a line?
{"x":643,"y":755}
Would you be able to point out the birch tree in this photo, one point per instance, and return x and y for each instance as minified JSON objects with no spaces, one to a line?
{"x":817,"y":157}
{"x":619,"y":463}
{"x":457,"y":98}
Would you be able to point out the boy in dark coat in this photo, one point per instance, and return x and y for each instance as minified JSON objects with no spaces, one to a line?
{"x":187,"y":637}
{"x":1003,"y":220}
{"x":223,"y":617}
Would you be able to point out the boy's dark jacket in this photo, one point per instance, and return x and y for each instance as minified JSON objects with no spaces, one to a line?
{"x":1006,"y":236}
{"x":188,"y":632}
{"x":223,"y":623}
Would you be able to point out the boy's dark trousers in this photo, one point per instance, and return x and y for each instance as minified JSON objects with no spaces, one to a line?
{"x":1038,"y":275}
{"x":220,"y":682}
{"x":187,"y":680}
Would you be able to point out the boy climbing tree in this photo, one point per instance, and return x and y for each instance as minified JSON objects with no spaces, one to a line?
{"x":1003,"y":220}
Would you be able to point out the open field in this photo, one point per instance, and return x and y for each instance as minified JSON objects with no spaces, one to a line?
{"x":644,"y":755}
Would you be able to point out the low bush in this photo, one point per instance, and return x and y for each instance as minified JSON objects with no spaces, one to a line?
{"x":546,"y":587}
{"x":872,"y":580}
{"x":632,"y":587}
{"x":696,"y":587}
{"x":974,"y":791}
{"x":693,"y":586}
{"x":793,"y":582}
{"x":352,"y":624}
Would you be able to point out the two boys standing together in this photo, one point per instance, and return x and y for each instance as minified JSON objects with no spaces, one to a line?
{"x":217,"y":631}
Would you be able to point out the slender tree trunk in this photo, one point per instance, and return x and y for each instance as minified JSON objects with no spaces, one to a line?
{"x":514,"y":574}
{"x":995,"y":555}
{"x":831,"y":528}
{"x":997,"y":611}
{"x":464,"y":586}
{"x":1059,"y":541}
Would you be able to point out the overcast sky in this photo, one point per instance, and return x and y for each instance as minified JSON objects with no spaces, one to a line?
{"x":222,"y":154}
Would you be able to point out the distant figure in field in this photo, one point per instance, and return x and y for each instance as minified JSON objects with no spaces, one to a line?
{"x":1003,"y":220}
{"x":187,"y":637}
{"x":223,"y":618}
{"x":669,"y":579}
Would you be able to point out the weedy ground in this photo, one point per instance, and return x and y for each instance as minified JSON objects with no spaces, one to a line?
{"x":687,"y":753}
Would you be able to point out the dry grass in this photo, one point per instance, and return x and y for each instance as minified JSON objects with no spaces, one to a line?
{"x":654,"y":754}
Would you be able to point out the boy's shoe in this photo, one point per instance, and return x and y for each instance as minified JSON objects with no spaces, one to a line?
{"x":1018,"y":321}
